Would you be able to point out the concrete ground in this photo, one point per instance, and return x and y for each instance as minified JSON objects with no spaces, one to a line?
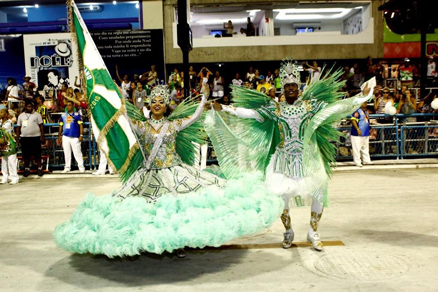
{"x":387,"y":219}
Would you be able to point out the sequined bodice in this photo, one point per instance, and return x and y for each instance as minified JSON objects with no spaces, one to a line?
{"x":291,"y":123}
{"x":166,"y":155}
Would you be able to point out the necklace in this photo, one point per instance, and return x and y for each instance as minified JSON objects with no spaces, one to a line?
{"x":156,"y":124}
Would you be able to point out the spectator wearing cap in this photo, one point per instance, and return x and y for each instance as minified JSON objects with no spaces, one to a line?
{"x":272,"y":92}
{"x":8,"y":151}
{"x":263,"y":86}
{"x":31,"y":132}
{"x":71,"y":135}
{"x":28,"y":87}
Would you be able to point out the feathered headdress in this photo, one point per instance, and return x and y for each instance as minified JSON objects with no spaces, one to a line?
{"x":160,"y":90}
{"x":289,"y":73}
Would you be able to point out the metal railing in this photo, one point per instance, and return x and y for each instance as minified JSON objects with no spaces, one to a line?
{"x":399,"y":137}
{"x":396,"y":140}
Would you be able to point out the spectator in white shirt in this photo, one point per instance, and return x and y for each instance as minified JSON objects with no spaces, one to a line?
{"x":314,"y":71}
{"x":237,"y":81}
{"x":12,"y":92}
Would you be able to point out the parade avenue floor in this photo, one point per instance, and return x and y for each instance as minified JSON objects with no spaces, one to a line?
{"x":380,"y":229}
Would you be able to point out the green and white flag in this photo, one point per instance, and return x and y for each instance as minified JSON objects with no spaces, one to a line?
{"x":109,"y":120}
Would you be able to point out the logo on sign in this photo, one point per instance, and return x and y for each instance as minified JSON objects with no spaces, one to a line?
{"x":62,"y":57}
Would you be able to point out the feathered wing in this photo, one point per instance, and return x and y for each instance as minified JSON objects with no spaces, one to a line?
{"x":242,"y":145}
{"x":247,"y":98}
{"x":319,"y":151}
{"x":188,"y":141}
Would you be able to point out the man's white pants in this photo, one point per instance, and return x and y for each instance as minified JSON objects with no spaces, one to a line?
{"x":9,"y":167}
{"x":360,"y":147}
{"x":70,"y":144}
{"x":103,"y":162}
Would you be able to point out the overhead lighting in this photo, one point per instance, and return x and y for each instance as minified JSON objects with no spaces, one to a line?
{"x":37,"y":6}
{"x":114,"y":2}
{"x":253,"y":12}
{"x":137,"y":5}
{"x":25,"y":10}
{"x":392,"y":15}
{"x":220,"y":21}
{"x":91,"y":7}
{"x":311,"y":14}
{"x":358,"y":7}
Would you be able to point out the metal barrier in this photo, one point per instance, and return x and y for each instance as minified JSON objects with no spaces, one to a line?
{"x":55,"y":152}
{"x":399,"y":139}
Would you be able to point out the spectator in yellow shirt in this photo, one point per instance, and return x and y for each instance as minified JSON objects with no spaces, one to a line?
{"x":263,"y":86}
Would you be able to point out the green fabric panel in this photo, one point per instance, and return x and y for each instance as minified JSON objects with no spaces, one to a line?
{"x":118,"y":144}
{"x":79,"y":33}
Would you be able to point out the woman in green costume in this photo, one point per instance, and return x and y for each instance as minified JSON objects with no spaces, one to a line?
{"x":166,"y":204}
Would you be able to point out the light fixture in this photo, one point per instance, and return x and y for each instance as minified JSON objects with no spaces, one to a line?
{"x":137,"y":5}
{"x":311,"y":14}
{"x":91,"y":7}
{"x":25,"y":10}
{"x":114,"y":2}
{"x":37,"y":6}
{"x":253,"y":12}
{"x":220,"y":21}
{"x":358,"y":7}
{"x":392,"y":15}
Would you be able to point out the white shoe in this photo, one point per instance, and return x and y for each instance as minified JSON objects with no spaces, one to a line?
{"x":98,"y":173}
{"x":288,"y":238}
{"x":66,"y":170}
{"x":14,"y":182}
{"x":315,"y":240}
{"x":4,"y":181}
{"x":368,"y":163}
{"x":359,"y":164}
{"x":82,"y":170}
{"x":111,"y":172}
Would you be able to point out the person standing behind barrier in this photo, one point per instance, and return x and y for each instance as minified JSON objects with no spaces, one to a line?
{"x":71,"y":135}
{"x":31,"y":132}
{"x":380,"y":105}
{"x":103,"y":162}
{"x":8,"y":149}
{"x":360,"y":135}
{"x":42,"y":109}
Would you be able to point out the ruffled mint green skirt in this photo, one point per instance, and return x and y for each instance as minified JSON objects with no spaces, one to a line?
{"x":211,"y":216}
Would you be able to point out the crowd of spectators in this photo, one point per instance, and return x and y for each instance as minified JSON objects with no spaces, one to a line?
{"x":55,"y":104}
